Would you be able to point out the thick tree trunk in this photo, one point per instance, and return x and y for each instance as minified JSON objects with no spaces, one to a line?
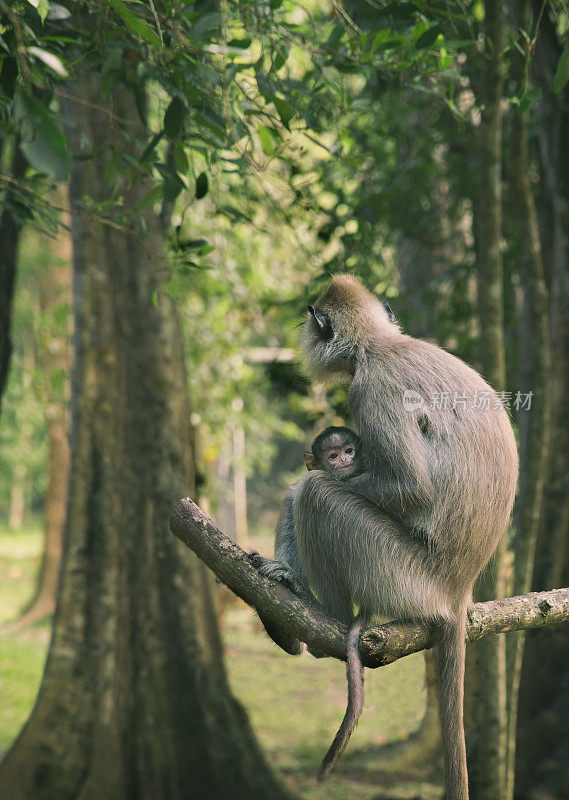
{"x":553,"y":133}
{"x":9,"y":237}
{"x":134,"y":701}
{"x":543,"y":738}
{"x":533,"y":424}
{"x":488,"y":760}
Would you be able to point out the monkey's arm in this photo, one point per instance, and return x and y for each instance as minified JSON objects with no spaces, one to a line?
{"x":400,"y":498}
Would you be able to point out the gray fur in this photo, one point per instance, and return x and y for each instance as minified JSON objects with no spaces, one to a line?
{"x":355,"y":675}
{"x":286,"y":567}
{"x":447,"y":473}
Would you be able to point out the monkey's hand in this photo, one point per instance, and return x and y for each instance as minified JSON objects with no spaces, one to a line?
{"x":277,"y":571}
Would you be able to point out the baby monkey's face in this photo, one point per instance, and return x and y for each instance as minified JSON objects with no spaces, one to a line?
{"x":340,"y":457}
{"x":336,"y":451}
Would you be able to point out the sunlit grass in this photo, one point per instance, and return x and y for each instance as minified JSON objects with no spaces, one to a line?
{"x":19,"y":559}
{"x":22,"y":656}
{"x":296,"y":704}
{"x":22,"y":653}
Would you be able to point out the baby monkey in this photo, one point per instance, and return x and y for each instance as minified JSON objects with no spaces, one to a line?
{"x":337,"y":451}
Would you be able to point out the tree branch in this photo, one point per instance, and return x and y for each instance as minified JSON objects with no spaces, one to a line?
{"x":381,"y":644}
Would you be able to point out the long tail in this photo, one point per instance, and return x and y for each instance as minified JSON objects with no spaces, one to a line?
{"x":450,"y":655}
{"x":355,"y":675}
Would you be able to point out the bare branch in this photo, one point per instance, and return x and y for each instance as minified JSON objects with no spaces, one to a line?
{"x":381,"y":644}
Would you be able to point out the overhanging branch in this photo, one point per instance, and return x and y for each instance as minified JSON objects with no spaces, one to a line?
{"x":380,"y":644}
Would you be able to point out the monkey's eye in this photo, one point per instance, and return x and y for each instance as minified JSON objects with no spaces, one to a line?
{"x":349,"y":451}
{"x":390,"y":313}
{"x":322,"y":320}
{"x":333,"y":456}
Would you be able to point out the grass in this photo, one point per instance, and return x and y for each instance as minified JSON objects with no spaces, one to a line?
{"x":22,"y":653}
{"x":295,"y":704}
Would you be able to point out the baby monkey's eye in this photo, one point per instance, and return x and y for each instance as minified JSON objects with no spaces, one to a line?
{"x":333,"y":456}
{"x":349,"y":450}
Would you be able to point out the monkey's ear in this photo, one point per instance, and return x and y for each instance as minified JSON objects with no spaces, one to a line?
{"x":390,"y":313}
{"x":323,"y":322}
{"x":310,"y":461}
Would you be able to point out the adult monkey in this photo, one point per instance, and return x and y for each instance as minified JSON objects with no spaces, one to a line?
{"x":445,"y":470}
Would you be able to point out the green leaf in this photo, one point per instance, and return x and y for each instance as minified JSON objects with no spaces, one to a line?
{"x":172,"y":187}
{"x":150,"y":147}
{"x":42,"y":141}
{"x":428,"y":38}
{"x":562,"y":72}
{"x":240,"y":44}
{"x":284,"y":110}
{"x":479,"y":10}
{"x":136,"y":24}
{"x":279,"y":59}
{"x":43,"y":9}
{"x":155,"y":298}
{"x":50,"y":60}
{"x":523,"y":101}
{"x":335,"y":35}
{"x":266,"y":139}
{"x":174,"y":117}
{"x":180,"y":158}
{"x":191,"y":244}
{"x":209,"y":119}
{"x":201,"y":186}
{"x":234,"y":214}
{"x":206,"y":23}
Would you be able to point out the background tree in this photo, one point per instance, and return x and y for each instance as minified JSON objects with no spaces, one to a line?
{"x":135,"y":633}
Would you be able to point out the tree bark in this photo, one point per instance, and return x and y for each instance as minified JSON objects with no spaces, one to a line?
{"x":488,"y":759}
{"x":535,"y":360}
{"x":134,"y":701}
{"x":9,"y":237}
{"x":542,"y":737}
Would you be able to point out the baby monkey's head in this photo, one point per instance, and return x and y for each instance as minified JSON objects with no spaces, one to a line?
{"x":337,"y":450}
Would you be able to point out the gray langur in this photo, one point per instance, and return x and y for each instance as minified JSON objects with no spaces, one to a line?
{"x":337,"y":451}
{"x":440,"y":460}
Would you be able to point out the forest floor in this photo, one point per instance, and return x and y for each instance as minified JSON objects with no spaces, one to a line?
{"x":295,"y":704}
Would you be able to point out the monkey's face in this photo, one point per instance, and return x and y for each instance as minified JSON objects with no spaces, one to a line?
{"x":341,"y":459}
{"x":329,"y":357}
{"x":341,"y":325}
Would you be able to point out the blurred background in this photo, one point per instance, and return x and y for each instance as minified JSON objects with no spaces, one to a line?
{"x":178,"y":180}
